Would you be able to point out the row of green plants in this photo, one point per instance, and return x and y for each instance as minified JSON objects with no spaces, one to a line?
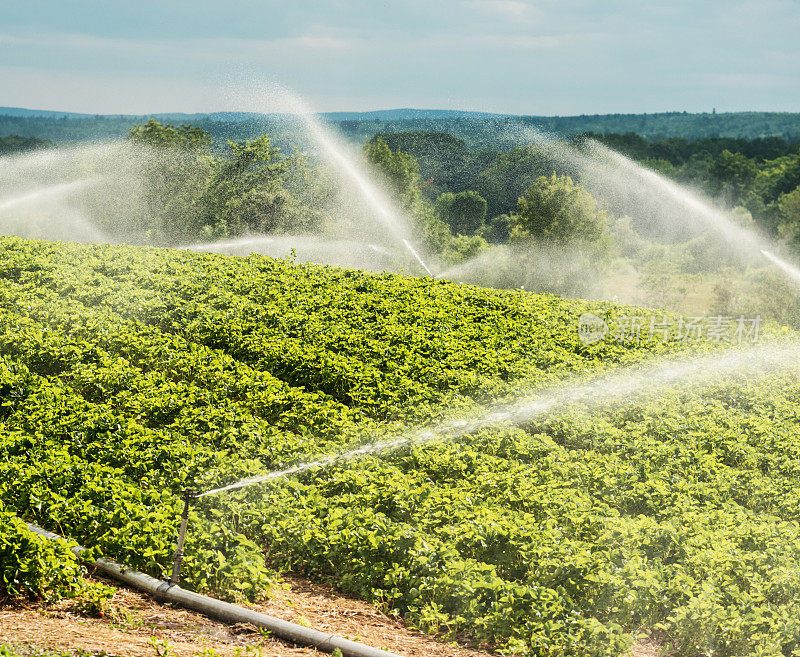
{"x":130,"y":374}
{"x":34,"y":567}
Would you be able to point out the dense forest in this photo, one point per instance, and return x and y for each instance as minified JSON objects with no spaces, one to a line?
{"x":479,"y":131}
{"x":761,"y":175}
{"x":748,"y":159}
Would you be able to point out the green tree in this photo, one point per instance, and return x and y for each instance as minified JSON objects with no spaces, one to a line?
{"x":558,"y":210}
{"x":445,"y":162}
{"x":176,"y":167}
{"x":498,"y":229}
{"x":398,"y":168}
{"x":775,"y":179}
{"x":789,"y":212}
{"x":733,"y":175}
{"x":186,"y":137}
{"x":247,"y":193}
{"x":503,"y":181}
{"x":17,"y":144}
{"x":464,"y":212}
{"x":401,"y":173}
{"x":191,"y":194}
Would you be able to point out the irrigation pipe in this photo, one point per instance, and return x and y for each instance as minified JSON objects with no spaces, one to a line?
{"x":166,"y":592}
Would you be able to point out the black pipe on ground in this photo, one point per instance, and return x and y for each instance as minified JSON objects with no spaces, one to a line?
{"x":167,"y":592}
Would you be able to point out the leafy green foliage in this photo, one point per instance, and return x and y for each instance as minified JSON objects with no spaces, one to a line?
{"x":463,"y":212}
{"x":510,"y":174}
{"x":445,"y":162}
{"x":34,"y":567}
{"x":789,"y":210}
{"x":248,"y":193}
{"x":186,"y":137}
{"x":754,"y":173}
{"x":558,"y":210}
{"x":401,"y":173}
{"x":129,"y":374}
{"x":16,"y":144}
{"x":732,"y":175}
{"x":191,"y":194}
{"x":400,"y":169}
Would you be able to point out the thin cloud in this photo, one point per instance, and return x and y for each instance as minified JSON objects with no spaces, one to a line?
{"x":512,"y":10}
{"x":523,"y":42}
{"x":751,"y":80}
{"x":194,"y":46}
{"x":223,"y":48}
{"x":321,"y":43}
{"x":508,"y":42}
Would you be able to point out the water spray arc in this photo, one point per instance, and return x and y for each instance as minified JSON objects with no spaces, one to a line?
{"x":660,"y":205}
{"x":47,"y":193}
{"x":746,"y":240}
{"x":378,"y":202}
{"x":612,"y":388}
{"x":308,"y":248}
{"x":417,"y":256}
{"x":693,"y":204}
{"x":790,"y":270}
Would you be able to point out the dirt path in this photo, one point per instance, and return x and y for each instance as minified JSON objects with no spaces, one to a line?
{"x":136,"y":626}
{"x":135,"y":622}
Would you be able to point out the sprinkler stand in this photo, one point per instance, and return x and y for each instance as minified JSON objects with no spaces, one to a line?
{"x":188,"y":496}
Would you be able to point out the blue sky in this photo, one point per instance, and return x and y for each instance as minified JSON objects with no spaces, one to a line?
{"x":519,"y":56}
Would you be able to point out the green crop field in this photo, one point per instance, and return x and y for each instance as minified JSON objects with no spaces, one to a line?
{"x":128,"y":374}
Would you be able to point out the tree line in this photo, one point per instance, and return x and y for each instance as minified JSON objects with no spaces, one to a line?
{"x":476,"y":192}
{"x":459,"y":199}
{"x":15,"y":144}
{"x":479,"y":132}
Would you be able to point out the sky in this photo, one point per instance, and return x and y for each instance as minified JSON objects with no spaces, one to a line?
{"x":540,"y":57}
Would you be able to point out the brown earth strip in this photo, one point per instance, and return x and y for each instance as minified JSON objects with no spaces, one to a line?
{"x":135,"y":622}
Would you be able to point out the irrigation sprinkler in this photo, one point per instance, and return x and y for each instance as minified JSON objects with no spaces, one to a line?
{"x":188,"y":496}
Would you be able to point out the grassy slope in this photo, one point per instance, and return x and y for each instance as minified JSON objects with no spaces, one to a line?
{"x":127,"y":374}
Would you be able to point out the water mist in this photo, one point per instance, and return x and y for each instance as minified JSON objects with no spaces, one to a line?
{"x":337,"y":154}
{"x":307,"y":248}
{"x":621,"y":387}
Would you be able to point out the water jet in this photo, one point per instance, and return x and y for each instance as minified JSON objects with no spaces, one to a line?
{"x":336,"y":153}
{"x":308,"y":248}
{"x":792,"y":271}
{"x":623,"y":387}
{"x":47,"y":193}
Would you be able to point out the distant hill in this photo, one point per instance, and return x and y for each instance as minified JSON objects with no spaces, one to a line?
{"x":372,"y":115}
{"x":23,"y":112}
{"x":479,"y":130}
{"x":409,"y":114}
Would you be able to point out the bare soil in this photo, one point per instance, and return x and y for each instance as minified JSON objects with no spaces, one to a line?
{"x":136,"y":626}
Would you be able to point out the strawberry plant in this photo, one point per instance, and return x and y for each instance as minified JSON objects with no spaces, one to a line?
{"x":130,"y":374}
